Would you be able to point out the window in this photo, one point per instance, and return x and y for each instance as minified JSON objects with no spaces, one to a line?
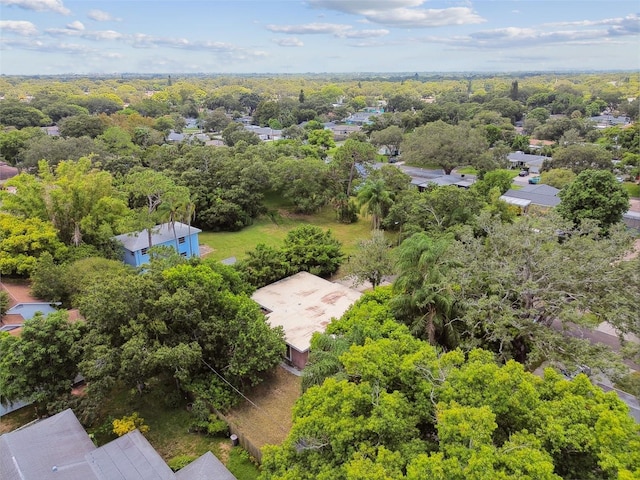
{"x":181,"y":240}
{"x":144,"y":251}
{"x":183,"y":254}
{"x":287,"y":354}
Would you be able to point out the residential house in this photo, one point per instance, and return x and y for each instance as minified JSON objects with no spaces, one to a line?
{"x":607,"y":120}
{"x":303,"y":304}
{"x":183,"y":238}
{"x":341,"y":131}
{"x":58,"y":448}
{"x":363,"y":117}
{"x":423,"y":178}
{"x":541,"y":195}
{"x":265,"y":133}
{"x":526,"y":161}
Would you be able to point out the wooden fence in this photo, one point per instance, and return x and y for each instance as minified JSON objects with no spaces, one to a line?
{"x":254,"y":451}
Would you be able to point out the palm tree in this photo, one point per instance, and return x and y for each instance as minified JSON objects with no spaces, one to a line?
{"x":173,"y":204}
{"x":376,"y":199}
{"x":424,"y":299}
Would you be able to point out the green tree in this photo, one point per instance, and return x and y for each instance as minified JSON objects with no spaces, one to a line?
{"x":376,"y":200}
{"x":403,"y":411}
{"x":149,"y":189}
{"x":14,"y":142}
{"x":310,"y":249}
{"x":23,"y":241}
{"x":81,"y":126}
{"x":517,"y":285}
{"x":500,"y":179}
{"x":558,"y":177}
{"x":303,"y":182}
{"x":19,"y":115}
{"x":40,"y":365}
{"x":390,"y":138}
{"x":595,"y":195}
{"x":346,"y":161}
{"x":263,"y":265}
{"x":176,"y":322}
{"x":372,"y":261}
{"x":424,"y":298}
{"x":443,"y":145}
{"x":322,"y":140}
{"x":582,"y":157}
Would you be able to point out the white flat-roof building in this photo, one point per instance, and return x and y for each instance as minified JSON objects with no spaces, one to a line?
{"x":303,"y":304}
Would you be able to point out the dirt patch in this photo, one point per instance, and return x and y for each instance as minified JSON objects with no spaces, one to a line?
{"x":205,"y":250}
{"x":268,"y":421}
{"x":223,"y":451}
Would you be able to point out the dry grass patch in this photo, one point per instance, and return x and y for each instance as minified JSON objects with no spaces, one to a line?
{"x":270,"y":421}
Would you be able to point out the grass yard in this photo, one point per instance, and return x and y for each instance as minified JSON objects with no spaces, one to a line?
{"x":271,"y":230}
{"x":168,"y":419}
{"x":633,"y":189}
{"x":269,"y":422}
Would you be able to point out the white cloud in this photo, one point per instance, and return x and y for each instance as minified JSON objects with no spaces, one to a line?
{"x":424,"y":18}
{"x":101,"y":16}
{"x":402,"y":13}
{"x":357,"y":7}
{"x":39,"y":5}
{"x":311,"y":29}
{"x":86,"y":34}
{"x":75,"y":26}
{"x":335,"y":29}
{"x":367,"y":33}
{"x":289,"y":42}
{"x":18,"y":27}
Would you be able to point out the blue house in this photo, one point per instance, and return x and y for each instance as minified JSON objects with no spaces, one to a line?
{"x":183,"y":238}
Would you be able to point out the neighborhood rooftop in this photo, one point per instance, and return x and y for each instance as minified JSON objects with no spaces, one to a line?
{"x":160,"y":234}
{"x":303,"y":304}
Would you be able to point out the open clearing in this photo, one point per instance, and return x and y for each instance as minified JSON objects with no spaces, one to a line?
{"x":270,"y":421}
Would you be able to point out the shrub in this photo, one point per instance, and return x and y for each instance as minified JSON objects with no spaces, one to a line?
{"x":180,"y":461}
{"x":126,"y":424}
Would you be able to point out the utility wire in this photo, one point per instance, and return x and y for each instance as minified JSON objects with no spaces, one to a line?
{"x":266,"y":414}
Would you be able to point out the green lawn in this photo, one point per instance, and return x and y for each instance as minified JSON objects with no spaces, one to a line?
{"x":271,"y":230}
{"x":633,"y":189}
{"x":468,"y":170}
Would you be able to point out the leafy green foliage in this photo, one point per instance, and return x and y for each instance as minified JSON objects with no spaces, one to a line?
{"x":310,"y":249}
{"x":176,"y":322}
{"x":403,"y":411}
{"x":22,"y":241}
{"x":446,"y":146}
{"x":41,"y":364}
{"x":594,"y":195}
{"x":372,"y":261}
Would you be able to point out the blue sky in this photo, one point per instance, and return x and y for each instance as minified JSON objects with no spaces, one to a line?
{"x":300,"y":36}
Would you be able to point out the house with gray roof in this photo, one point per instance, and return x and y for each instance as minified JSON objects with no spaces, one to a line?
{"x":541,"y":195}
{"x":58,"y":448}
{"x":532,"y":163}
{"x":183,"y":238}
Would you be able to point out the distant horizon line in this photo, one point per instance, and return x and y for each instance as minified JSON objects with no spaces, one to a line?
{"x":408,"y":74}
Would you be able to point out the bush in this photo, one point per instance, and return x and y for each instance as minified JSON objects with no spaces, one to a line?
{"x":180,"y":461}
{"x":126,"y":424}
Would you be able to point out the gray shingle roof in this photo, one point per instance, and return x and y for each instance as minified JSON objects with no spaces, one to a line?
{"x":543,"y":195}
{"x":206,"y":467}
{"x":160,"y":234}
{"x":130,"y":457}
{"x":52,"y":448}
{"x":58,"y":448}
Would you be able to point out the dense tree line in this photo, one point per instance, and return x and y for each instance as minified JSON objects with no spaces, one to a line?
{"x":395,"y":407}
